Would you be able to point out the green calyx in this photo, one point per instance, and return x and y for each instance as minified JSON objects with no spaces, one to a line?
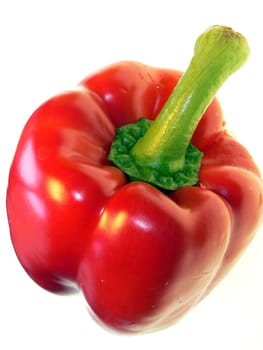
{"x":160,"y":152}
{"x":120,"y":154}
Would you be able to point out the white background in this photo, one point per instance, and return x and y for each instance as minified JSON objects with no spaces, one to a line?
{"x":49,"y":46}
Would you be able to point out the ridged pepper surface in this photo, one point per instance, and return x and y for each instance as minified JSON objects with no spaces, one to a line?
{"x":142,"y":252}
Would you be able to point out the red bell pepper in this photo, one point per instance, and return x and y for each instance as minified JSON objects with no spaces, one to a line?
{"x":147,"y":241}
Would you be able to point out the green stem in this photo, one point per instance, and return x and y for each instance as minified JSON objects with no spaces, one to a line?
{"x":218,"y":53}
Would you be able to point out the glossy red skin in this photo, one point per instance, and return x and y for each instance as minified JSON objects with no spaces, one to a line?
{"x":141,"y":257}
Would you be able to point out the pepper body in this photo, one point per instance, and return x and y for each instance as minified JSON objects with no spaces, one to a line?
{"x":142,"y":257}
